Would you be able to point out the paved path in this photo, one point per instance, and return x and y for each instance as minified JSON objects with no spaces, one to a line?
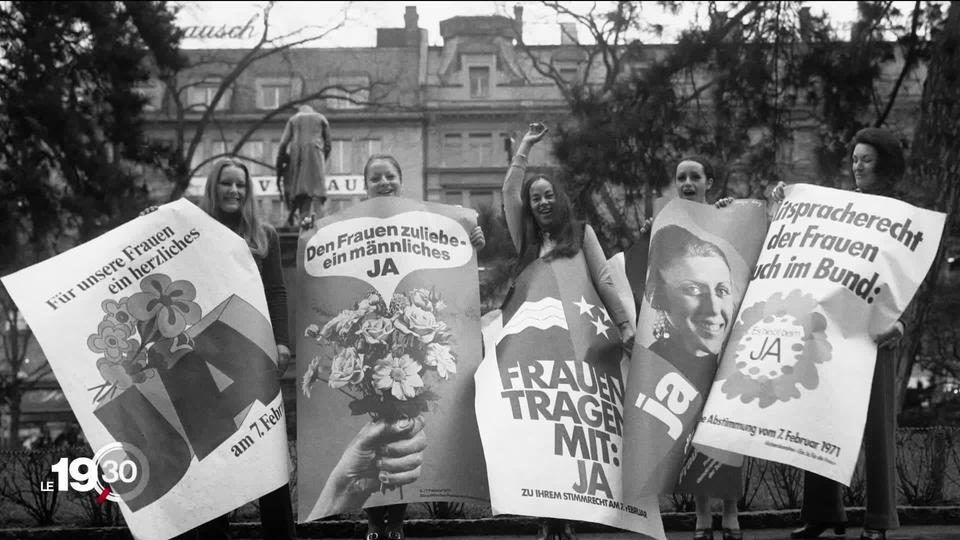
{"x":938,"y":532}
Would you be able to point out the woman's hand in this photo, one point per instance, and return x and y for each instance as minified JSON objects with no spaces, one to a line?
{"x":148,"y":210}
{"x":647,"y":224}
{"x":535,"y":133}
{"x":723,"y":202}
{"x":891,"y":337}
{"x":477,"y":239}
{"x":308,"y":222}
{"x":283,"y":359}
{"x":627,"y":335}
{"x":778,"y":193}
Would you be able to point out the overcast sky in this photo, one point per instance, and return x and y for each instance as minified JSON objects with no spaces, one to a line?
{"x":363,"y":18}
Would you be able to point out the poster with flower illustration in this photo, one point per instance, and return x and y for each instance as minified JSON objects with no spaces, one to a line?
{"x":388,"y":341}
{"x":159,"y":335}
{"x":836,"y":271}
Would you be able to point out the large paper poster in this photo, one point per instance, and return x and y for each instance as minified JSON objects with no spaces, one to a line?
{"x":550,"y":403}
{"x":837,"y":269}
{"x":389,"y":339}
{"x":159,"y":335}
{"x":699,"y":265}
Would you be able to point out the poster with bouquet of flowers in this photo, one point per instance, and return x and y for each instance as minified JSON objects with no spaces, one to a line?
{"x":159,"y":335}
{"x":388,"y":341}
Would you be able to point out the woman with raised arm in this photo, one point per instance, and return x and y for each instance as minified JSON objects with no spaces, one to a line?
{"x":540,"y":220}
{"x":878,"y":163}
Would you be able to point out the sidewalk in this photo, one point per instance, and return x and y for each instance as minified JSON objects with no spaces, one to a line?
{"x":919,"y":523}
{"x":917,"y":532}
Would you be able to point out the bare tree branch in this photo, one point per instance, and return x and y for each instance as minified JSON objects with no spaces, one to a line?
{"x":909,"y":61}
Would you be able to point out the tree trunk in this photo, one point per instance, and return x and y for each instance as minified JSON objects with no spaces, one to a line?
{"x":935,"y":165}
{"x":13,"y":440}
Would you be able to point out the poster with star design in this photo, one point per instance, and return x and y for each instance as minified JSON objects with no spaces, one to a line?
{"x":159,"y":335}
{"x":388,"y":339}
{"x":837,"y":270}
{"x":698,"y":268}
{"x":549,"y":403}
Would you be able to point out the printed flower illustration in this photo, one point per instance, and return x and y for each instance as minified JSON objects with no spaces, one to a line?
{"x":376,"y":330}
{"x":420,"y":298}
{"x":171,"y":303}
{"x":779,"y":344}
{"x":114,"y":374}
{"x":138,"y":333}
{"x":369,"y":304}
{"x":401,"y":376}
{"x":419,"y":322}
{"x":384,"y":356}
{"x":311,"y":376}
{"x":341,"y":324}
{"x":441,"y":357}
{"x":117,"y":312}
{"x":113,"y":341}
{"x":347,"y":368}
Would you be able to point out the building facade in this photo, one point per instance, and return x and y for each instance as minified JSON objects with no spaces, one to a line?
{"x":450,"y":114}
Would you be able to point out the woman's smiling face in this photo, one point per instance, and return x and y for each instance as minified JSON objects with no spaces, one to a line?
{"x":383,"y":179}
{"x":692,"y":182}
{"x":864,"y":164}
{"x":231,"y":189}
{"x":542,"y":202}
{"x":699,"y":302}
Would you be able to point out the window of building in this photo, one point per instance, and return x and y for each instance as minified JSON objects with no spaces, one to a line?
{"x":452,"y":153}
{"x":479,"y":81}
{"x":200,"y":95}
{"x":569,"y":74}
{"x":254,"y":152}
{"x":348,"y":91}
{"x":199,"y":154}
{"x":478,"y":200}
{"x":479,"y":149}
{"x":273,"y":94}
{"x":220,"y":150}
{"x":365,"y":149}
{"x":453,"y":197}
{"x":340,"y":156}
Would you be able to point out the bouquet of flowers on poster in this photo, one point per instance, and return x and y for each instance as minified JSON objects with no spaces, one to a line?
{"x":389,"y":338}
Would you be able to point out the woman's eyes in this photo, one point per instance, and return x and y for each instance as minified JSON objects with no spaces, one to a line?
{"x":697,"y":290}
{"x":692,"y":290}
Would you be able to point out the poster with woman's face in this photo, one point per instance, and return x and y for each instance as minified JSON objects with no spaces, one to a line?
{"x":699,"y":263}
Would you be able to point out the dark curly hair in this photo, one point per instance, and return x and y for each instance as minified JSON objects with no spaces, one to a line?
{"x":669,"y":243}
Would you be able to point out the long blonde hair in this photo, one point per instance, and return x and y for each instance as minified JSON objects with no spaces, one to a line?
{"x":250,"y":228}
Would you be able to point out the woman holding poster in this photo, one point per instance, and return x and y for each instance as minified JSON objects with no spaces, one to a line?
{"x":228,"y":197}
{"x":878,"y":163}
{"x":540,"y":222}
{"x":383,"y":454}
{"x":691,"y":289}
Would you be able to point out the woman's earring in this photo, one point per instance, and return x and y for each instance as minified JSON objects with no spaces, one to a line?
{"x":661,"y":328}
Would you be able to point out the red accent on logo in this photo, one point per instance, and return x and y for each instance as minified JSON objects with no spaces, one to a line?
{"x":103,"y":496}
